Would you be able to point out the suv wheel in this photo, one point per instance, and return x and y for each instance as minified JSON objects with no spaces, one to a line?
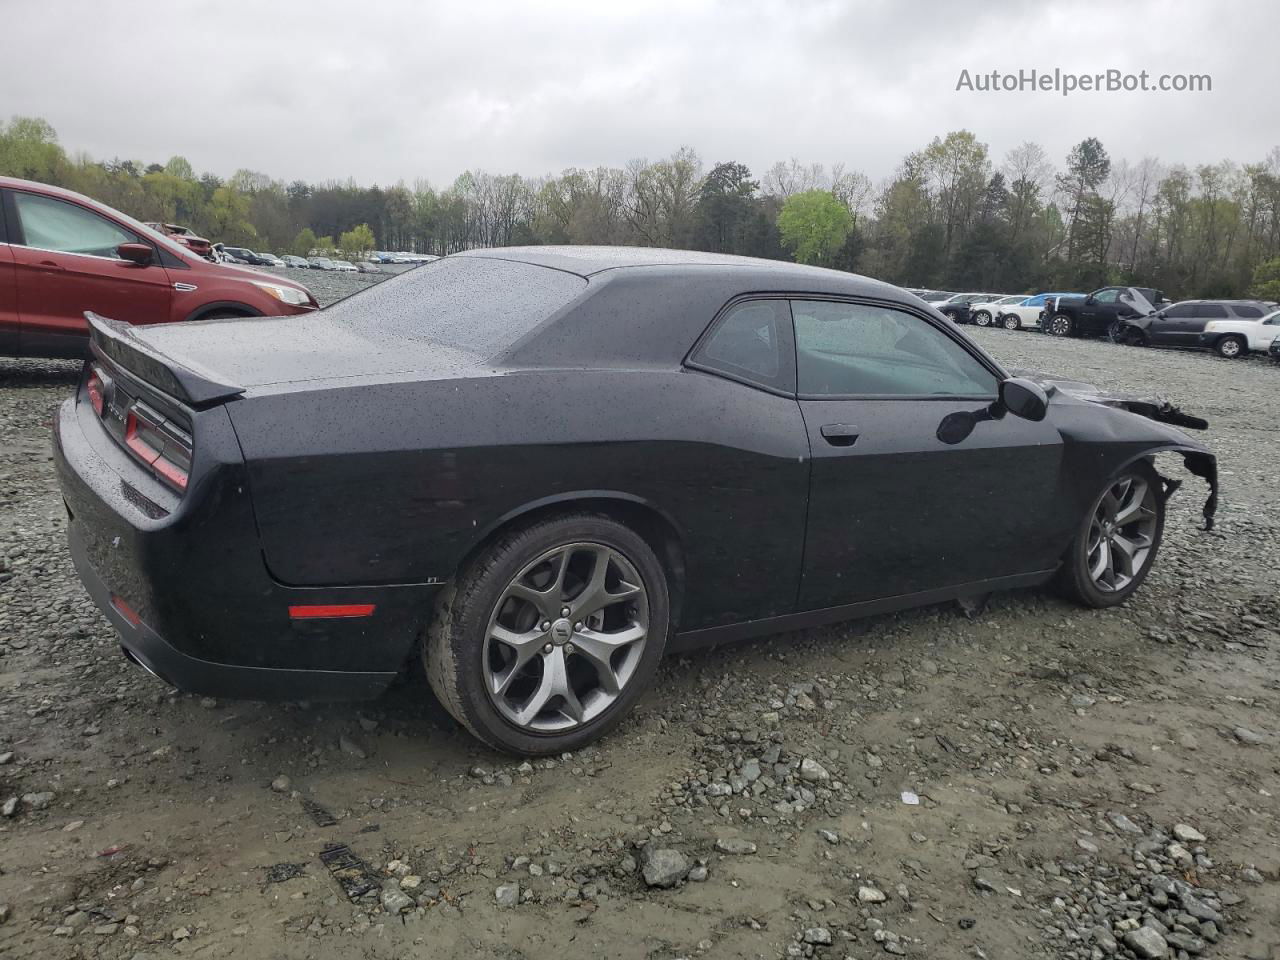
{"x":1012,"y":321}
{"x":982,"y":318}
{"x":550,"y":635}
{"x":1231,"y":347}
{"x":1117,"y":541}
{"x":1060,"y":325}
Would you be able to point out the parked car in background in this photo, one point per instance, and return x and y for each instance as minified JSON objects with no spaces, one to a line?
{"x":66,"y":254}
{"x":344,"y":266}
{"x":957,"y":306}
{"x":1273,"y":351}
{"x":1230,"y":327}
{"x":349,"y":478}
{"x":296,"y":262}
{"x":369,"y":268}
{"x":320,"y":263}
{"x":1101,"y":313}
{"x":935,"y":296}
{"x":984,"y":312}
{"x":270,"y":260}
{"x":187,"y":237}
{"x":1027,"y":314}
{"x":245,"y":255}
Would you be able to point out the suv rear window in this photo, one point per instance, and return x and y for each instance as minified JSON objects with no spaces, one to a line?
{"x":1247,"y":312}
{"x":476,"y":304}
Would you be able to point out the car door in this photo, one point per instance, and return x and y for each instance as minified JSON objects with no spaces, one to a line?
{"x":1099,"y":310}
{"x":1188,"y":326}
{"x":892,"y":508}
{"x":66,"y":263}
{"x":1163,"y":328}
{"x":8,"y":294}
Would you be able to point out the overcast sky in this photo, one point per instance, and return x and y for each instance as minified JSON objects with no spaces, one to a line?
{"x":385,"y":90}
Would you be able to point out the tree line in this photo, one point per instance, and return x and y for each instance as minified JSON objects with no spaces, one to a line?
{"x":951,"y":216}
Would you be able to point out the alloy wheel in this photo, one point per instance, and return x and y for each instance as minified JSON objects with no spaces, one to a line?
{"x":1060,"y":326}
{"x":565,"y":637}
{"x":1011,"y":322}
{"x":982,"y":318}
{"x":1121,"y":533}
{"x":1229,"y":348}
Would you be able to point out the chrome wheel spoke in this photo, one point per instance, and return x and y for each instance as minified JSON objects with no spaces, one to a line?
{"x":565,"y":637}
{"x":1122,"y":533}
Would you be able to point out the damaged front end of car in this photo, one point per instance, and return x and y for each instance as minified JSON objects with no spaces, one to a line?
{"x":1198,"y":459}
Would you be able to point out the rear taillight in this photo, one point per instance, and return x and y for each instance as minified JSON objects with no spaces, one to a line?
{"x":96,"y":388}
{"x":159,"y":444}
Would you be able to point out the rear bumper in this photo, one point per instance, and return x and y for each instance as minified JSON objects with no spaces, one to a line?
{"x":151,"y":651}
{"x":200,"y":608}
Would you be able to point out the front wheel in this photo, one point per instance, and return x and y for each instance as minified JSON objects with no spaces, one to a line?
{"x":982,"y":318}
{"x":1012,"y":322}
{"x":1060,"y":325}
{"x":548,"y":638}
{"x":1231,"y":347}
{"x":1117,"y":541}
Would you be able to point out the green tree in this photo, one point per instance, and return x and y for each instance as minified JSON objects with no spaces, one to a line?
{"x":356,"y":242}
{"x":304,"y":242}
{"x":1266,"y":280}
{"x":814,"y":226}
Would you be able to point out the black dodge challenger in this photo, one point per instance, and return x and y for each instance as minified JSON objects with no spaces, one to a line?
{"x":540,"y":468}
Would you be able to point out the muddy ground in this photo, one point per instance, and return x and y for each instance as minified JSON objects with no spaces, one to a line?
{"x":1051,"y":750}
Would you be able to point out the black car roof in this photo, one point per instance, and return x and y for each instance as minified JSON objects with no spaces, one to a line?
{"x":587,"y":261}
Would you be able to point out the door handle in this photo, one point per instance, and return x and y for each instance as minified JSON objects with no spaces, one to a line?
{"x":840,"y":434}
{"x":51,"y":266}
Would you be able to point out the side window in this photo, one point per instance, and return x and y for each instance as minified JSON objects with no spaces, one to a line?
{"x":1178,"y":311}
{"x":1212,"y":311}
{"x":849,"y":349}
{"x":1108,"y":295}
{"x":1247,"y":312}
{"x":752,"y":342}
{"x":50,"y":224}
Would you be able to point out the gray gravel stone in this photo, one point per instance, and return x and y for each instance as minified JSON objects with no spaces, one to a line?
{"x":663,"y":866}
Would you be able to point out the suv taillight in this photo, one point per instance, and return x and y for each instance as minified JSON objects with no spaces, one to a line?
{"x":159,"y":444}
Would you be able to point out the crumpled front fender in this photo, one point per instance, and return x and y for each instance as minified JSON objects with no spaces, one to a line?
{"x":1153,"y":433}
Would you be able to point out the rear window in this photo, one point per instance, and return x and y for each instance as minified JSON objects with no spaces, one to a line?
{"x":475,"y":304}
{"x":1249,"y":313}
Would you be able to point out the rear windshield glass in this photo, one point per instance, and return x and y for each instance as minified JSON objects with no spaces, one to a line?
{"x":474,"y":304}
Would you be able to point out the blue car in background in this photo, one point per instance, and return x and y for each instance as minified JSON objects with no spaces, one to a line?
{"x":1026,"y":315}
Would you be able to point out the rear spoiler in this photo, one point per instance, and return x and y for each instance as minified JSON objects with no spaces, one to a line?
{"x":118,"y":342}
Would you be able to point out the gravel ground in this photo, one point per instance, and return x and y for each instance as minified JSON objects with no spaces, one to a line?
{"x":1038,"y":781}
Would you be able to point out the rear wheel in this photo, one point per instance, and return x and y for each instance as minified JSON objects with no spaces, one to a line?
{"x":1060,"y":325}
{"x":1231,"y":347}
{"x":982,"y":318}
{"x":1117,"y":541}
{"x":548,"y":638}
{"x":1012,"y":322}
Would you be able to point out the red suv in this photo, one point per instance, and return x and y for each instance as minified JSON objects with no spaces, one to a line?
{"x":62,"y":254}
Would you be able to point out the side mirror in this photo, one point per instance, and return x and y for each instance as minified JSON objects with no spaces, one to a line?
{"x":1024,"y":399}
{"x":137,"y":253}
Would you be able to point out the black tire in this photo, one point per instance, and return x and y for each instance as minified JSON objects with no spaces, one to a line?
{"x":1012,"y":321}
{"x":1231,"y":347}
{"x":1073,"y":578}
{"x":982,"y":318}
{"x":453,"y":651}
{"x":1060,"y":325}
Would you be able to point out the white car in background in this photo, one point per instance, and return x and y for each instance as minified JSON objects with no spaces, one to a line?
{"x":1026,"y":315}
{"x":344,"y":266}
{"x":984,"y":312}
{"x":1256,"y":335}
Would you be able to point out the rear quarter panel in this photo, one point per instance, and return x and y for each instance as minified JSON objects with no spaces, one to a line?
{"x":398,"y":482}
